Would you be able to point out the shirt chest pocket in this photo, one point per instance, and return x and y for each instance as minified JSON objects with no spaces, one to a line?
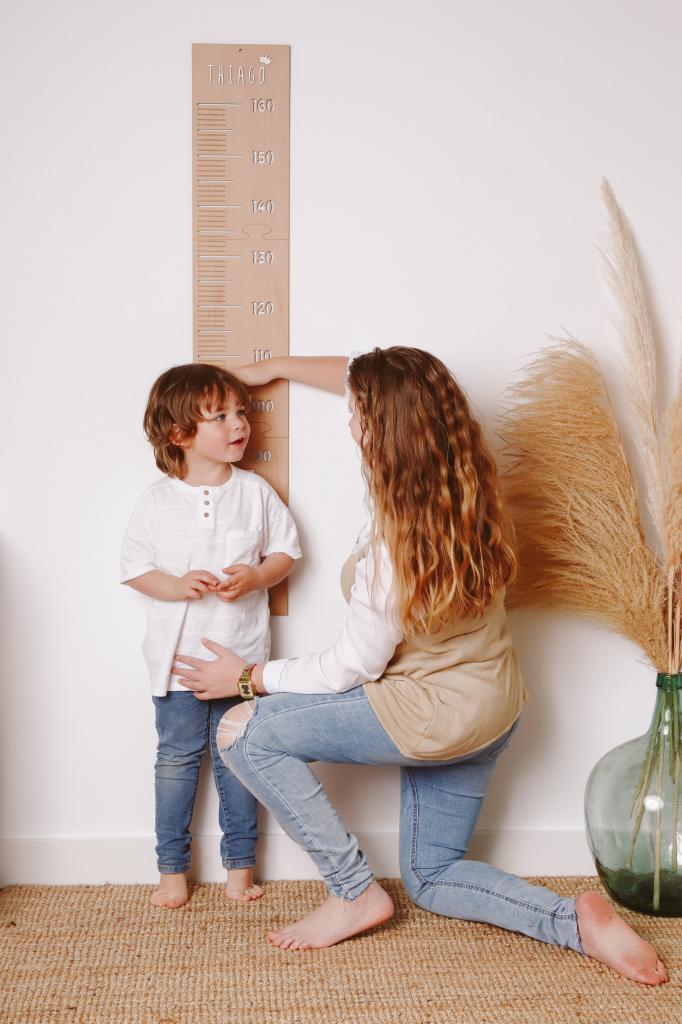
{"x":241,"y":546}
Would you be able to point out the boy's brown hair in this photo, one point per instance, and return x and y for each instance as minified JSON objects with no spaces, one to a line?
{"x":176,"y":403}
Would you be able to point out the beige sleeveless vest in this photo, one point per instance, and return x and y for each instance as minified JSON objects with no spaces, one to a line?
{"x":448,"y":694}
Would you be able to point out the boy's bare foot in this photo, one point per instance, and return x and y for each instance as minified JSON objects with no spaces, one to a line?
{"x":241,"y":886}
{"x":335,"y":920}
{"x":606,"y":937}
{"x":172,"y":892}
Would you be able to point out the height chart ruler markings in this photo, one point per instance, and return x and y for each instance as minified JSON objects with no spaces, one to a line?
{"x":240,"y":205}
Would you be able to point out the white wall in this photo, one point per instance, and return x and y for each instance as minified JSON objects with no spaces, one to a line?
{"x":446,"y":158}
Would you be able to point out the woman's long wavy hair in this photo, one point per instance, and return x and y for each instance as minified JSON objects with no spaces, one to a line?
{"x":433,"y":483}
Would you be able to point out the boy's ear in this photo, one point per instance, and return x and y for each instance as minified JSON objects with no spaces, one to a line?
{"x":178,"y":436}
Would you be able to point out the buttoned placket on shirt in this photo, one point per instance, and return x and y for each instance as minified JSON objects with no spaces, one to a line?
{"x":206,"y":502}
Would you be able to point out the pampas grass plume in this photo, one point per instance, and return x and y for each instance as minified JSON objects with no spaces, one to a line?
{"x":572,"y":497}
{"x":637,"y":341}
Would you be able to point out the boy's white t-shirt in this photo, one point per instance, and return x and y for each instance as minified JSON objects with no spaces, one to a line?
{"x":177,"y":527}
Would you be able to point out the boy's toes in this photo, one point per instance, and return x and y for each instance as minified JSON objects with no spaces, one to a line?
{"x":252,"y":892}
{"x":237,"y":894}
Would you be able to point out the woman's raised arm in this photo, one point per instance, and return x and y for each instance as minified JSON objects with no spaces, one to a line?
{"x":325,"y":372}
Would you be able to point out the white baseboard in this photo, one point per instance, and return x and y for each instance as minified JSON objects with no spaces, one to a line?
{"x":94,"y":860}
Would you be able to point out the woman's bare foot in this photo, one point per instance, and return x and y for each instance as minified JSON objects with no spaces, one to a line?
{"x":172,"y":892}
{"x":240,"y":885}
{"x":606,"y":937}
{"x":335,"y":920}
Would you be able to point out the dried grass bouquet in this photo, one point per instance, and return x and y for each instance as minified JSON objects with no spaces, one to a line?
{"x":574,"y":501}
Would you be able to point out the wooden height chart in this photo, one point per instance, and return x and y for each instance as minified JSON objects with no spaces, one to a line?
{"x":240,"y":164}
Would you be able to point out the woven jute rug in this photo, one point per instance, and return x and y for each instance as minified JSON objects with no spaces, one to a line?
{"x":104,"y":955}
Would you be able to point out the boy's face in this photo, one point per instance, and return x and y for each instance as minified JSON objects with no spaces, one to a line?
{"x":222,"y":434}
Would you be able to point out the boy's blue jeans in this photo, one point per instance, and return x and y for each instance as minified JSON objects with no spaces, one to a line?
{"x":185,"y":726}
{"x":439,"y":805}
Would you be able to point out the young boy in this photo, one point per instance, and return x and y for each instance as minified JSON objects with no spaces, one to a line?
{"x":204,"y":545}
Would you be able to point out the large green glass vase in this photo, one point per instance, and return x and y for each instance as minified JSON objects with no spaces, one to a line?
{"x":632,"y":811}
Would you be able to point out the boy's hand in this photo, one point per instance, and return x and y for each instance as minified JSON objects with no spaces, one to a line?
{"x":242,"y":580}
{"x":195,"y":584}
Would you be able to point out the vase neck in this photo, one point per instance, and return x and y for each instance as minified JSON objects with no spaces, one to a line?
{"x":667,"y":714}
{"x":669,"y":681}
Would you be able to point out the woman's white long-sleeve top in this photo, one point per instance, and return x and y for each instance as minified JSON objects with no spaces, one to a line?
{"x":367,"y":642}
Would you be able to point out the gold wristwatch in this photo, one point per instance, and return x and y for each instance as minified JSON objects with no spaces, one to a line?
{"x":244,"y":684}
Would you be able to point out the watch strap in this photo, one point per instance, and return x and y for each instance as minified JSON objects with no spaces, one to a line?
{"x":244,"y":684}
